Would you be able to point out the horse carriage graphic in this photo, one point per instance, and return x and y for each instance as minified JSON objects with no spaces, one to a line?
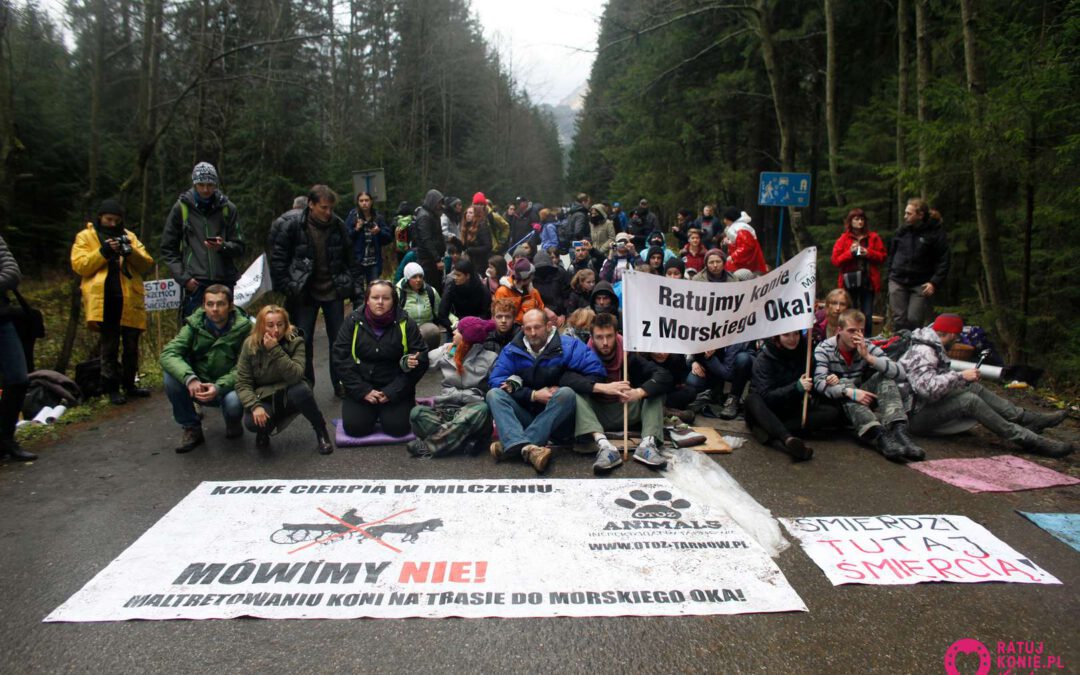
{"x":298,"y":533}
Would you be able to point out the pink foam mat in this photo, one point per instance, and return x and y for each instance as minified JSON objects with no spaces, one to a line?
{"x":1003,"y":473}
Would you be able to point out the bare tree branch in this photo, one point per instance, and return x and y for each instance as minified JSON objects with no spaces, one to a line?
{"x":674,"y":19}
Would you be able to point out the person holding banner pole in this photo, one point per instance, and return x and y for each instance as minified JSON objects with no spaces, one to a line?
{"x":632,"y":397}
{"x":857,"y":374}
{"x":780,"y":407}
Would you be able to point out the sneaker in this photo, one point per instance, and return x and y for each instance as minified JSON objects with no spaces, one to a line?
{"x":233,"y":428}
{"x":191,"y":439}
{"x":536,"y":455}
{"x":730,"y":409}
{"x":137,"y":392}
{"x":117,"y":398}
{"x":607,"y":458}
{"x":648,"y":454}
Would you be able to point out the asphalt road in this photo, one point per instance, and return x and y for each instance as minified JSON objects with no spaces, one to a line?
{"x":66,"y":516}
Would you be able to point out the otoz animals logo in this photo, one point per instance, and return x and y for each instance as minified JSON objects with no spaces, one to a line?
{"x":658,"y":509}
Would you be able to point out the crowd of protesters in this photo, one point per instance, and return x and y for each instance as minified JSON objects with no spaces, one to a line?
{"x":519,"y":312}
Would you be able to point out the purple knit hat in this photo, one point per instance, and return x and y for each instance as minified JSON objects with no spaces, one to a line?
{"x":474,"y":330}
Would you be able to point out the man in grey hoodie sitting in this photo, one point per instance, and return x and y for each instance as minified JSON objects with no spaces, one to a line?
{"x":943,"y":395}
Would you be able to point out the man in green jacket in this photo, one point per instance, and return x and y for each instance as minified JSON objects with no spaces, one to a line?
{"x":200,"y":365}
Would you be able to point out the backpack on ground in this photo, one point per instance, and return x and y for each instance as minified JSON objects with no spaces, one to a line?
{"x":49,"y":388}
{"x":88,"y":378}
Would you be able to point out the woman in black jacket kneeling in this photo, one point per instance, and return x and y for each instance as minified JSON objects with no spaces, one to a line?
{"x":778,"y":385}
{"x":380,"y":356}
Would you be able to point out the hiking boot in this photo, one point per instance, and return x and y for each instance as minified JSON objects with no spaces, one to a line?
{"x":684,"y":416}
{"x":911,"y":450}
{"x":889,"y":446}
{"x":730,"y":409}
{"x":1038,"y":421}
{"x":648,"y":454}
{"x":234,"y":428}
{"x":137,"y":392}
{"x":794,"y":446}
{"x":12,"y":450}
{"x":607,"y":457}
{"x":419,"y":449}
{"x":192,"y":438}
{"x":536,"y":455}
{"x":1048,"y":447}
{"x":326,"y":441}
{"x":117,"y":398}
{"x":262,"y":439}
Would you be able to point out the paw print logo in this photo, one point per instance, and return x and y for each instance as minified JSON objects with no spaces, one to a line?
{"x":663,"y":505}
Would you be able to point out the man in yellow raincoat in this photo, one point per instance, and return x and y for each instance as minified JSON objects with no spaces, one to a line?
{"x":111,"y":261}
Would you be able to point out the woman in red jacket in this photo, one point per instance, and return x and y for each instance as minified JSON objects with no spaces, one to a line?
{"x":858,"y":254}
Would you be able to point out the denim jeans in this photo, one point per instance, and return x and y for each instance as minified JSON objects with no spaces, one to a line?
{"x":518,"y":427}
{"x":184,"y":406}
{"x":716,"y":377}
{"x":304,"y":314}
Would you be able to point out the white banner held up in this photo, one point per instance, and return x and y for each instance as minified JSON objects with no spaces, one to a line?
{"x":688,"y":317}
{"x":252,"y":283}
{"x":900,"y":550}
{"x":162,"y":294}
{"x":395,"y":549}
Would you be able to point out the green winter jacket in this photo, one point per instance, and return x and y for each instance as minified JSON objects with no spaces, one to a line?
{"x":260,"y":373}
{"x":195,"y":352}
{"x":422,"y":307}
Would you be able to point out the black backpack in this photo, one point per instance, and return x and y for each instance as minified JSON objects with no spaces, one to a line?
{"x":88,"y":378}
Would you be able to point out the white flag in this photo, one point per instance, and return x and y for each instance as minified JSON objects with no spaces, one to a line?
{"x":252,"y":283}
{"x":688,"y":317}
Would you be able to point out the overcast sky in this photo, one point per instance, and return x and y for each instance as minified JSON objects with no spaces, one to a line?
{"x":550,"y":42}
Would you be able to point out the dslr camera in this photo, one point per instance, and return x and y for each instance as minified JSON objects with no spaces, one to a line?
{"x":125,"y":244}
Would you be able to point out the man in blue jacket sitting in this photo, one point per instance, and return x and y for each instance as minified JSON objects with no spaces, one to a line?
{"x":532,"y":387}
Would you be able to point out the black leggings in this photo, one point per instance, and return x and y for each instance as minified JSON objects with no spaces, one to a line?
{"x":783,"y":423}
{"x":359,"y":417}
{"x":285,"y":402}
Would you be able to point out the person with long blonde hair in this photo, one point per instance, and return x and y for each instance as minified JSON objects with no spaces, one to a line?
{"x":270,"y":380}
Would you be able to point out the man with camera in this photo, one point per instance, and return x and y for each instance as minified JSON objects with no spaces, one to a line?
{"x":201,"y":239}
{"x":111,"y":261}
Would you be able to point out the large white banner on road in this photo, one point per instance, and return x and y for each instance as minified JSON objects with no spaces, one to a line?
{"x":396,"y":549}
{"x":887,"y":550}
{"x":689,"y":317}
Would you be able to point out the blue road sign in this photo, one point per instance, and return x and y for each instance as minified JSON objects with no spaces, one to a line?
{"x":784,"y":189}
